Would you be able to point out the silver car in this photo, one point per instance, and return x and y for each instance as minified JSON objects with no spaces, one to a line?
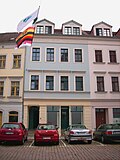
{"x":78,"y":132}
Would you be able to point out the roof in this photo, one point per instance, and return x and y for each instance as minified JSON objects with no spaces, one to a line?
{"x":72,"y":22}
{"x":8,"y":37}
{"x":46,"y":21}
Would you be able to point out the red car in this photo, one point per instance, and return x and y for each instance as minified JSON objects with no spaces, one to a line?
{"x":46,"y":133}
{"x":13,"y":131}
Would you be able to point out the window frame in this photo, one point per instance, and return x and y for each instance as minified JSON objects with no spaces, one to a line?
{"x":15,"y":88}
{"x":64,"y":88}
{"x":2,"y":61}
{"x":37,"y":54}
{"x":112,"y":56}
{"x":100,"y":83}
{"x":51,"y":57}
{"x":80,"y":55}
{"x":62,"y":55}
{"x":51,"y":83}
{"x":34,"y":81}
{"x":1,"y":88}
{"x":16,"y":61}
{"x":115,"y":84}
{"x":98,"y":56}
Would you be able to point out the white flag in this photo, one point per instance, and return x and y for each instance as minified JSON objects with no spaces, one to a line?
{"x":27,"y":20}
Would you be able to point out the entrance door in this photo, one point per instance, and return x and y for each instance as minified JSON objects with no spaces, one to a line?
{"x":64,"y":117}
{"x":33,"y":117}
{"x":100,"y":116}
{"x":0,"y":118}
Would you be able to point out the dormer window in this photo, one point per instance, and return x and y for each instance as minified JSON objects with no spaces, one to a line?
{"x":98,"y":31}
{"x":48,"y":30}
{"x":40,"y":30}
{"x":68,"y":30}
{"x":106,"y":32}
{"x":76,"y":31}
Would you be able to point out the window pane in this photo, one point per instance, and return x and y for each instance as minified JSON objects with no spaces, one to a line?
{"x":100,"y":84}
{"x":35,"y":54}
{"x":78,"y":55}
{"x":115,"y":84}
{"x":64,"y":55}
{"x":64,"y":82}
{"x":113,"y":56}
{"x":34,"y":82}
{"x":79,"y":83}
{"x":99,"y":31}
{"x":1,"y":88}
{"x":49,"y":83}
{"x":98,"y":55}
{"x":77,"y":114}
{"x":13,"y":116}
{"x":48,"y":29}
{"x":76,"y":30}
{"x":68,"y":30}
{"x":50,"y":54}
{"x":39,"y":30}
{"x":15,"y":87}
{"x":2,"y":61}
{"x":16,"y":61}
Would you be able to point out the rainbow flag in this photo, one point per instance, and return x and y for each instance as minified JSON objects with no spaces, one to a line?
{"x":25,"y":38}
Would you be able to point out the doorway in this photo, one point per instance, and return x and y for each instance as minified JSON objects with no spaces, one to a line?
{"x":64,"y":117}
{"x":33,"y":117}
{"x":100,"y":116}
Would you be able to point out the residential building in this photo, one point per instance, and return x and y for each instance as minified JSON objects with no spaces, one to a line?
{"x":11,"y":79}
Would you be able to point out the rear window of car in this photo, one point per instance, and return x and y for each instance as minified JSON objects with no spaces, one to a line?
{"x":78,"y":127}
{"x":113,"y":126}
{"x":46,"y":127}
{"x":11,"y":126}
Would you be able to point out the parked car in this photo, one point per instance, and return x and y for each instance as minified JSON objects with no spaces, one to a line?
{"x":78,"y":132}
{"x":46,"y":133}
{"x":13,"y":131}
{"x":107,"y":133}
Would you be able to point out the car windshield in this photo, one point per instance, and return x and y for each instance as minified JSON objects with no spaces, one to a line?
{"x":78,"y":126}
{"x":112,"y":126}
{"x":46,"y":127}
{"x":11,"y":126}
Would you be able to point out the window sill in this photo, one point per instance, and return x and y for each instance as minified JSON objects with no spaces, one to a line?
{"x":115,"y":92}
{"x":101,"y":92}
{"x":15,"y":97}
{"x":98,"y":62}
{"x":113,"y":63}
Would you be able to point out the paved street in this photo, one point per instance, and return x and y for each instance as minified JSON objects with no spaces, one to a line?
{"x":64,"y":151}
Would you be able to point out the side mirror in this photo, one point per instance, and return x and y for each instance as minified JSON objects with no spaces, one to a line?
{"x":57,"y":127}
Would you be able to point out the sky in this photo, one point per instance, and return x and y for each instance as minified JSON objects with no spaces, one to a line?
{"x":85,"y":12}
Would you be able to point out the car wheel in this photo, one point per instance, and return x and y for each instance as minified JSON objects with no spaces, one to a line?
{"x":35,"y":143}
{"x":89,"y":141}
{"x":22,"y":142}
{"x":103,"y":140}
{"x":69,"y":141}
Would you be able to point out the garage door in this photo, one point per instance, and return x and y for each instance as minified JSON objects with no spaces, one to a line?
{"x":0,"y":119}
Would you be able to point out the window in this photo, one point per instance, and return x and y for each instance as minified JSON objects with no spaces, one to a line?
{"x":13,"y":116}
{"x":77,"y":114}
{"x":64,"y":55}
{"x":112,"y":56}
{"x":68,"y":30}
{"x":76,"y":31}
{"x":79,"y":83}
{"x":49,"y":83}
{"x":1,"y":88}
{"x":52,"y":112}
{"x":98,"y":55}
{"x":39,"y":30}
{"x":100,"y":84}
{"x":34,"y":82}
{"x":78,"y":55}
{"x":2,"y":61}
{"x":50,"y":54}
{"x":48,"y":29}
{"x":15,"y":87}
{"x":106,"y":32}
{"x":35,"y":54}
{"x":16,"y":61}
{"x":115,"y":84}
{"x":99,"y":32}
{"x":64,"y":82}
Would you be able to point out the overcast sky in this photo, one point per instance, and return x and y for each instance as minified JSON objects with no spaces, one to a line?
{"x":85,"y":12}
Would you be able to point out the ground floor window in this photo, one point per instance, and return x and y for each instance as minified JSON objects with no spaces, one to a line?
{"x":116,"y":115}
{"x":0,"y":118}
{"x":77,"y":114}
{"x":13,"y":116}
{"x":52,"y":112}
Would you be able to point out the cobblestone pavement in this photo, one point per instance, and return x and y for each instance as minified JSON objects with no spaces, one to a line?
{"x":63,"y":151}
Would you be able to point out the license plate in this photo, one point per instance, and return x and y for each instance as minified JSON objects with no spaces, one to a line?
{"x":46,"y":137}
{"x":9,"y":133}
{"x":117,"y":132}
